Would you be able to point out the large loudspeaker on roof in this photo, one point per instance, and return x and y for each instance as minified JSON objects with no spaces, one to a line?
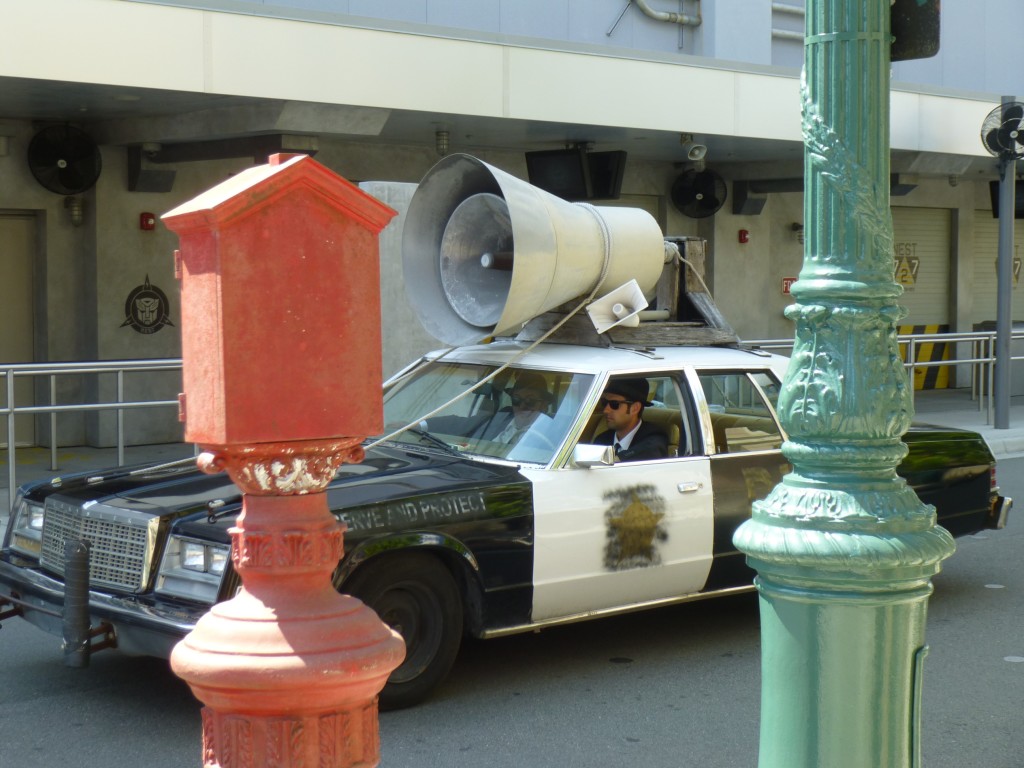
{"x":484,"y":252}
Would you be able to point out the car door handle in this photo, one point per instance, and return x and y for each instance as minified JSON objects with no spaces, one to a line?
{"x":691,"y":486}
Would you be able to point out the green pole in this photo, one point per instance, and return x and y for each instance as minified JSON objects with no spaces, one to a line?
{"x":843,"y":548}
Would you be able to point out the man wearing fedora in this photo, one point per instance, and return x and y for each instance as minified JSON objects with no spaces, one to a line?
{"x":623,"y":405}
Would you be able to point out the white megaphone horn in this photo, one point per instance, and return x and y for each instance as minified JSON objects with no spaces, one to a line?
{"x":484,"y":252}
{"x":620,"y":307}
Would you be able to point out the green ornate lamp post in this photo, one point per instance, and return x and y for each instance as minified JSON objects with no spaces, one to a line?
{"x":843,"y":548}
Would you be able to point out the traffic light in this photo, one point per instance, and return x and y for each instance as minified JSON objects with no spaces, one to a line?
{"x":915,"y":29}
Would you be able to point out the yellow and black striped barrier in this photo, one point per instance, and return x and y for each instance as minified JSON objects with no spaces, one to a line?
{"x":932,"y":377}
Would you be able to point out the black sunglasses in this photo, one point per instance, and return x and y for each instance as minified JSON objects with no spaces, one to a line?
{"x":613,"y":404}
{"x":529,"y":402}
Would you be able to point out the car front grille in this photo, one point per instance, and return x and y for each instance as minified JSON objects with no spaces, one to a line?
{"x":117,"y":539}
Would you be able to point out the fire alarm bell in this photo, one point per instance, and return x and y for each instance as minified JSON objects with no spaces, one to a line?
{"x":744,"y":236}
{"x":147,"y":221}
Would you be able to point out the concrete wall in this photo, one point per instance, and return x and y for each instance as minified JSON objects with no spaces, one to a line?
{"x":65,"y":282}
{"x":978,"y":50}
{"x":493,"y":77}
{"x":748,"y":277}
{"x":596,"y":22}
{"x":128,"y":257}
{"x":739,"y":30}
{"x":86,"y":273}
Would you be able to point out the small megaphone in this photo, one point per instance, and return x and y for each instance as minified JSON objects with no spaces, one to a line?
{"x":484,"y":252}
{"x":620,"y":307}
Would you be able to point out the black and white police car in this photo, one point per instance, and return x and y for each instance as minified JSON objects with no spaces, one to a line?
{"x":461,"y":521}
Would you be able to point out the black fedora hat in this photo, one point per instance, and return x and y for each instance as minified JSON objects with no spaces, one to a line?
{"x":635,"y":390}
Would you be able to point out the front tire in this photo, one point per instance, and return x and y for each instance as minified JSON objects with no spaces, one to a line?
{"x":416,"y":596}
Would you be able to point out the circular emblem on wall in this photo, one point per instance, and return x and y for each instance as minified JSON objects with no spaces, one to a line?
{"x":146,"y":309}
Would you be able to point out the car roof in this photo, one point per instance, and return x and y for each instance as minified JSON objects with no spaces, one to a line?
{"x":596,"y":360}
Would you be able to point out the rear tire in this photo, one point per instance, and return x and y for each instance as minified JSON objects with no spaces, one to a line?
{"x":416,"y":596}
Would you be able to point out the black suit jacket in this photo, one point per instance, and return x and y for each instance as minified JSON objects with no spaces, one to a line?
{"x":649,"y":442}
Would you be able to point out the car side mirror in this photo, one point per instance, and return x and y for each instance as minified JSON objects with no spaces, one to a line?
{"x":587,"y":456}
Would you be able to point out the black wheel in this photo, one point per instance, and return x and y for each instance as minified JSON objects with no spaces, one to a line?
{"x":416,"y":596}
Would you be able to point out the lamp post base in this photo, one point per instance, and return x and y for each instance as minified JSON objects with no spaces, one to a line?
{"x":289,"y":669}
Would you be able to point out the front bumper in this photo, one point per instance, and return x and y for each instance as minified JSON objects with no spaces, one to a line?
{"x":139,"y":628}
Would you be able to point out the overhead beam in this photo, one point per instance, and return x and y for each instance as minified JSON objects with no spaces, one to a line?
{"x":257,"y":147}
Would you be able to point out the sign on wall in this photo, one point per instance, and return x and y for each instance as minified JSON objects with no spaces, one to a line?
{"x":906,"y":264}
{"x":1016,"y":269}
{"x":146,"y":309}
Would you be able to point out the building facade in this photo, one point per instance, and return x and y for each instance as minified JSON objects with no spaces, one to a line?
{"x":176,"y":96}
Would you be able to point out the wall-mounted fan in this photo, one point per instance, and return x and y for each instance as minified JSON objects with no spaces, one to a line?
{"x":64,"y":159}
{"x":1002,"y":131}
{"x":698,"y":194}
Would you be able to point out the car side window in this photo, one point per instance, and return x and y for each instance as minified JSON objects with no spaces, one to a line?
{"x":670,"y":409}
{"x":741,"y":419}
{"x":769,"y":386}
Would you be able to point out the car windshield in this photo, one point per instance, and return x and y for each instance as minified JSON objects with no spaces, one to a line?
{"x":521,"y":415}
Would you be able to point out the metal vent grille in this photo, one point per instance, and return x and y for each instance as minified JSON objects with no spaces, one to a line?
{"x":117,"y":541}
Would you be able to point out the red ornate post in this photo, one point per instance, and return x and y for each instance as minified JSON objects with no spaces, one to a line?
{"x":282,"y":376}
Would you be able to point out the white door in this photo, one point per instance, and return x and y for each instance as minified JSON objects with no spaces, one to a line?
{"x":17,"y":246}
{"x":612,"y":536}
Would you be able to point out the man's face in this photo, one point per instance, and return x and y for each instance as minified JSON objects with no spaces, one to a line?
{"x":527,"y":403}
{"x":619,"y":413}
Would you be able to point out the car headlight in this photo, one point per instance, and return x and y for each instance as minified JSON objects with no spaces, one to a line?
{"x":25,"y":530}
{"x":193,"y":556}
{"x":204,"y":558}
{"x":192,"y":569}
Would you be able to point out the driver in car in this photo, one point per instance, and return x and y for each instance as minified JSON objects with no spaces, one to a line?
{"x":530,"y":400}
{"x":623,"y":405}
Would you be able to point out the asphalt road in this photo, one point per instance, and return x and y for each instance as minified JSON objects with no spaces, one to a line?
{"x":675,"y":687}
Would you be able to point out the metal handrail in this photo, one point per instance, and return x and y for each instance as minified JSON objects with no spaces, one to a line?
{"x":982,"y":360}
{"x":9,"y":372}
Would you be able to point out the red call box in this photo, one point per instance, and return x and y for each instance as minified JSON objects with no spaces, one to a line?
{"x":280,"y":293}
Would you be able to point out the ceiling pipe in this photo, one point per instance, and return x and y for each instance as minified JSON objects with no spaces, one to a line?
{"x":675,"y":18}
{"x":792,"y":10}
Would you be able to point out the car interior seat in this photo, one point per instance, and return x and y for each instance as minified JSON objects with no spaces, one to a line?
{"x":741,"y":432}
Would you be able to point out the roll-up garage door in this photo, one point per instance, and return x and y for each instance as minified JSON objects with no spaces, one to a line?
{"x":921,"y":254}
{"x":986,"y":253}
{"x":921,"y":258}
